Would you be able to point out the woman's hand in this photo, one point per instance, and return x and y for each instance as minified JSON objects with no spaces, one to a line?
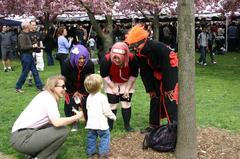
{"x":115,"y":90}
{"x":70,"y":38}
{"x":126,"y":94}
{"x":113,"y":86}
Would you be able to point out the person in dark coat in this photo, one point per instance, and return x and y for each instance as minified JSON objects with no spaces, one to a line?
{"x":49,"y":46}
{"x":76,"y":69}
{"x":159,"y":73}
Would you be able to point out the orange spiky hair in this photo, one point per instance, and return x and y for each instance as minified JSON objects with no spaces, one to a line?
{"x":136,"y":34}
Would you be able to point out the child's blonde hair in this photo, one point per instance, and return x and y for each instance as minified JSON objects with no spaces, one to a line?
{"x":93,"y":83}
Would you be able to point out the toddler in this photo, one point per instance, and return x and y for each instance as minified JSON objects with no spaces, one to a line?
{"x":98,"y":110}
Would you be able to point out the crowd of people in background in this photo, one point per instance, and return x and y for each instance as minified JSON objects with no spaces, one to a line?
{"x":85,"y":35}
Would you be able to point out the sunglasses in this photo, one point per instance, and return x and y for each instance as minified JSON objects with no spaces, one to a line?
{"x":63,"y":86}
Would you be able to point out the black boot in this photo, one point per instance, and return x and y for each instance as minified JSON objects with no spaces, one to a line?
{"x":110,"y":121}
{"x":126,"y":113}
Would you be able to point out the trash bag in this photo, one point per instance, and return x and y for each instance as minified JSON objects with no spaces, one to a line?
{"x":162,"y":139}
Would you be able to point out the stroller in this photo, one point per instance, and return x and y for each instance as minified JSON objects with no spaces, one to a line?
{"x":220,"y":45}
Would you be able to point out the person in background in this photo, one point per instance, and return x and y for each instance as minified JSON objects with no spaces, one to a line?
{"x":167,"y":35}
{"x":39,"y":131}
{"x":63,"y":45}
{"x":119,"y":69}
{"x":159,"y":72}
{"x":202,"y":43}
{"x":81,"y":35}
{"x":75,"y":69}
{"x":98,"y":110}
{"x":211,"y":40}
{"x":49,"y":45}
{"x":233,"y":36}
{"x":36,"y":38}
{"x":92,"y":44}
{"x":38,"y":51}
{"x":14,"y":31}
{"x":26,"y":47}
{"x":6,"y":41}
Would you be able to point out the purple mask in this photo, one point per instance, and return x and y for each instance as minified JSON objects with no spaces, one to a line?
{"x":76,"y":52}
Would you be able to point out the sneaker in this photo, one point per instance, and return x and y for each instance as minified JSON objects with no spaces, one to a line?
{"x":146,"y":130}
{"x":91,"y":156}
{"x":129,"y":129}
{"x":103,"y":156}
{"x":74,"y":127}
{"x":5,"y":70}
{"x":29,"y":157}
{"x":10,"y":69}
{"x":205,"y":64}
{"x":214,"y":62}
{"x":201,"y":63}
{"x":19,"y":91}
{"x":74,"y":130}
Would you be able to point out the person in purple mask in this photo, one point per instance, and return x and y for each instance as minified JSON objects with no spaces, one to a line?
{"x":76,"y":69}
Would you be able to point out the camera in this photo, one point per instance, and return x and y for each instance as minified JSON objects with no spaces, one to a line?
{"x":77,"y":100}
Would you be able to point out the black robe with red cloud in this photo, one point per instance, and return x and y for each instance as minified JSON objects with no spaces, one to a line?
{"x":159,"y":73}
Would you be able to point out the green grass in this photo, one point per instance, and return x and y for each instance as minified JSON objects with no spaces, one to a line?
{"x":217,"y":93}
{"x":217,"y":99}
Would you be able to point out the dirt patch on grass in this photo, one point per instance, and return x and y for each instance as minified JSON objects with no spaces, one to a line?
{"x":212,"y":144}
{"x":2,"y":156}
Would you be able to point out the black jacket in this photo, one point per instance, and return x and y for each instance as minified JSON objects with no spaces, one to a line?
{"x":156,"y":59}
{"x":71,"y":74}
{"x":25,"y":43}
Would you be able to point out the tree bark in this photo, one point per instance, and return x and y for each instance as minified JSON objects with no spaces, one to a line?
{"x":187,"y":142}
{"x":155,"y":22}
{"x":106,"y":37}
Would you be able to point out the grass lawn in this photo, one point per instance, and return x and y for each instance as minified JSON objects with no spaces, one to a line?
{"x":217,"y":98}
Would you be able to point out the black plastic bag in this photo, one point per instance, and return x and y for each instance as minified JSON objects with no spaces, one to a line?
{"x":162,"y":139}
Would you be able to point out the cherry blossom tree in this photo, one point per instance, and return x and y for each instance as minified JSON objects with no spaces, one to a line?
{"x":231,"y":5}
{"x":105,"y":8}
{"x":150,"y":9}
{"x":223,"y":6}
{"x":44,"y":10}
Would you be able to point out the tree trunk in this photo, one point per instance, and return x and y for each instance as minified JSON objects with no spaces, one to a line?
{"x":187,"y":142}
{"x":107,"y":42}
{"x":46,"y":22}
{"x":155,"y":22}
{"x":106,"y":37}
